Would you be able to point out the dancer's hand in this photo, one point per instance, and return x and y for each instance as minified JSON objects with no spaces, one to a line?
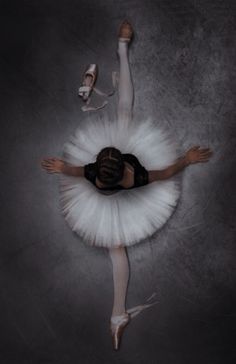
{"x":53,"y":165}
{"x":198,"y":155}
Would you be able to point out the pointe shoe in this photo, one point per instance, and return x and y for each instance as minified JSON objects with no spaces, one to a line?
{"x":125,"y":31}
{"x":117,"y":326}
{"x":89,"y":80}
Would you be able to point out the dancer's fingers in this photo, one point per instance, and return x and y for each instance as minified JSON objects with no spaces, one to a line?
{"x":49,"y":160}
{"x":45,"y":167}
{"x":207,"y":150}
{"x":208,"y":155}
{"x":48,"y":163}
{"x":203,"y":154}
{"x":202,"y":159}
{"x":49,"y":168}
{"x":204,"y":150}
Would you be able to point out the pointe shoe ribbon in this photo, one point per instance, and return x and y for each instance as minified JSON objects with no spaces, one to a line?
{"x":136,"y":310}
{"x":87,"y":90}
{"x":118,"y":323}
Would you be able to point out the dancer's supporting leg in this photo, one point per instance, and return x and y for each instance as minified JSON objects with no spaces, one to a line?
{"x":126,"y":92}
{"x":120,"y":268}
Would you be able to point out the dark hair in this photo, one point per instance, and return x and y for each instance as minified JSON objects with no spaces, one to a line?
{"x":110,"y":166}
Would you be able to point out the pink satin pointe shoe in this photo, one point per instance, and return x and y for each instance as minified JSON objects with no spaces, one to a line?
{"x":89,"y":79}
{"x":117,"y":326}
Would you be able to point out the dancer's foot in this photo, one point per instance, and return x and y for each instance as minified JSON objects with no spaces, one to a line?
{"x":125,"y":31}
{"x":117,"y":326}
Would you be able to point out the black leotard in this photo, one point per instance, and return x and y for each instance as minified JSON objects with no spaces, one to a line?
{"x":140,"y":173}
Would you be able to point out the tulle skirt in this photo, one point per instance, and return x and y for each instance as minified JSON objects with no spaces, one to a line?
{"x":128,"y":216}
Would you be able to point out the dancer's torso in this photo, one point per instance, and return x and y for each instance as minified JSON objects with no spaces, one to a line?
{"x":140,"y":173}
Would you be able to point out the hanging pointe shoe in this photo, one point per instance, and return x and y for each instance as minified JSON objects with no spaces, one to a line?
{"x":125,"y":31}
{"x":89,"y":80}
{"x":117,"y":326}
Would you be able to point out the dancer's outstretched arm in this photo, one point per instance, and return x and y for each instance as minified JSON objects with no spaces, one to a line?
{"x":55,"y":165}
{"x":193,"y":155}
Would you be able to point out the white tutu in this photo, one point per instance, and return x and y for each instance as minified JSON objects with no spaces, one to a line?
{"x":126,"y":216}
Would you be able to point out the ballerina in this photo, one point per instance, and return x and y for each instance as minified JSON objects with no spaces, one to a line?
{"x":108,"y":197}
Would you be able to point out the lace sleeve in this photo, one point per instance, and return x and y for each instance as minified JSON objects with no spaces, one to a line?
{"x":141,"y":176}
{"x":90,"y":172}
{"x":140,"y":172}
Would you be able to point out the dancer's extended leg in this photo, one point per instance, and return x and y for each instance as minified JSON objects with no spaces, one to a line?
{"x":120,"y":267}
{"x":120,"y":318}
{"x":126,"y":92}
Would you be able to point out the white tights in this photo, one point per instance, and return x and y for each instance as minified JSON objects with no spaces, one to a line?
{"x":126,"y":92}
{"x":119,"y":259}
{"x":120,"y":268}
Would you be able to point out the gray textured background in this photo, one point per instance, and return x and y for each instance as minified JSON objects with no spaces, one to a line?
{"x":56,"y":292}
